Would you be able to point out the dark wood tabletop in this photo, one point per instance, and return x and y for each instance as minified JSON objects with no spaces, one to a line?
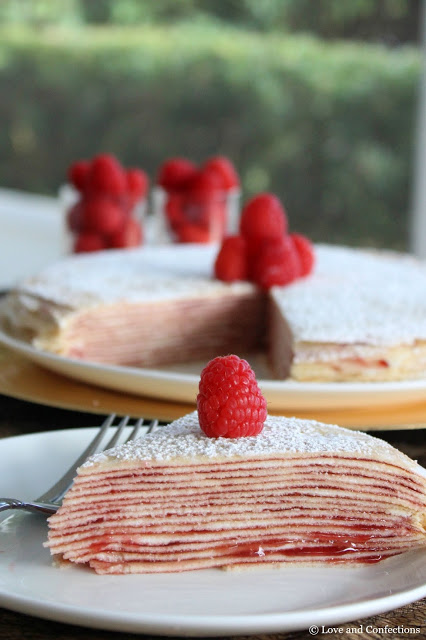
{"x":20,"y":417}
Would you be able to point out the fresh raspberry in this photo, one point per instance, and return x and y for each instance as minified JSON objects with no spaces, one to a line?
{"x":204,"y":204}
{"x":305,"y":252}
{"x":126,"y":202}
{"x":208,"y":213}
{"x":175,"y":173}
{"x":89,"y":241}
{"x":74,"y":217}
{"x":263,"y":217}
{"x":192,"y":233}
{"x":224,"y":168}
{"x":276,"y":263}
{"x":230,"y":403}
{"x":106,"y":176}
{"x":216,"y":213}
{"x":130,"y":235}
{"x":231,"y":262}
{"x":137,"y":183}
{"x":196,"y":209}
{"x":102,"y":215}
{"x":78,"y":173}
{"x":173,"y":210}
{"x":204,"y":184}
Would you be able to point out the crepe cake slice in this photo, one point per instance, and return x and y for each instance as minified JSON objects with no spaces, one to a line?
{"x":299,"y":492}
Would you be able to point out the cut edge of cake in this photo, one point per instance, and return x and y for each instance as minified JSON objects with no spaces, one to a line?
{"x":301,"y":492}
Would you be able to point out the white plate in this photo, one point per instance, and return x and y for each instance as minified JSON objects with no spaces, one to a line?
{"x":180,"y":383}
{"x":198,"y":603}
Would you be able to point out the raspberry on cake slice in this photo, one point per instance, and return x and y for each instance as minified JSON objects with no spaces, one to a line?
{"x":185,"y":497}
{"x":230,"y":403}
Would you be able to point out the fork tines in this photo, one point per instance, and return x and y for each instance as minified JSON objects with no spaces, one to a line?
{"x":56,"y":493}
{"x":140,"y":426}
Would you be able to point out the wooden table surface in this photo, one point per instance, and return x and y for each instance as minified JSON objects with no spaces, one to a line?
{"x":21,"y":417}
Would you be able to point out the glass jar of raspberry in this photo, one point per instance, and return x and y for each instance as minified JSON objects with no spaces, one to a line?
{"x":104,"y":205}
{"x":192,"y":204}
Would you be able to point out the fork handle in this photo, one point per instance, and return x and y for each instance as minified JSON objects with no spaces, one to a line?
{"x":39,"y":507}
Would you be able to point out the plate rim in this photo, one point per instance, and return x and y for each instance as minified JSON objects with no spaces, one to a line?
{"x":187,"y":626}
{"x":192,"y":624}
{"x":356,"y":389}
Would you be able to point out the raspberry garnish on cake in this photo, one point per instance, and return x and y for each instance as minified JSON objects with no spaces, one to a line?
{"x":231,"y":263}
{"x":298,"y":492}
{"x":267,"y":254}
{"x":275,"y":264}
{"x":230,"y":403}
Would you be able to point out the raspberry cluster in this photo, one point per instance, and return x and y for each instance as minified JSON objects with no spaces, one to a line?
{"x":103,"y":216}
{"x":230,"y":403}
{"x":264,"y":252}
{"x":196,"y":203}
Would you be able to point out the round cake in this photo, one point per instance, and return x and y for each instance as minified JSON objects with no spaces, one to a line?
{"x":360,"y":315}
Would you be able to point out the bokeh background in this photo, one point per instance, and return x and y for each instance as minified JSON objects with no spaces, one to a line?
{"x":314,"y":100}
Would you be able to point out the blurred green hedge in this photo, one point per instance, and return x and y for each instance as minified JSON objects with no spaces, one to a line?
{"x":329,"y":127}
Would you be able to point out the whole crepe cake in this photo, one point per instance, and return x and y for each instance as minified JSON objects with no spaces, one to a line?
{"x":360,"y":315}
{"x":229,"y":487}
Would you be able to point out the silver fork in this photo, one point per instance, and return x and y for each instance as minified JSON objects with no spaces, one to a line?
{"x":50,"y":501}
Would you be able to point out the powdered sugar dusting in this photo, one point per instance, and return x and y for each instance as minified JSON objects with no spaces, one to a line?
{"x":147,"y":274}
{"x":184,"y":440}
{"x":357,"y":296}
{"x":353,"y":297}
